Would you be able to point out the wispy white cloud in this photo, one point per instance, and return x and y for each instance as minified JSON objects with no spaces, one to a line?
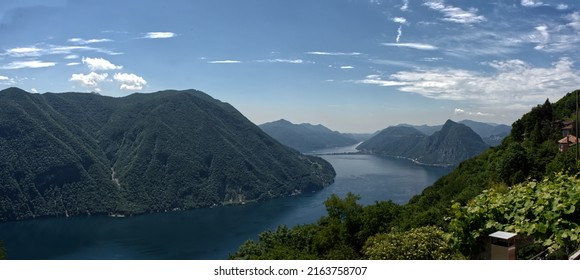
{"x":558,"y":37}
{"x":514,"y":82}
{"x":130,"y":81}
{"x":283,"y":60}
{"x":417,"y":46}
{"x":43,"y":49}
{"x":346,"y":67}
{"x":224,"y":61}
{"x":33,"y":90}
{"x":376,"y":80}
{"x":432,"y":59}
{"x":81,"y":41}
{"x":71,"y":56}
{"x":100,"y":64}
{"x":72,"y":63}
{"x":562,"y":7}
{"x":455,"y":14}
{"x":159,"y":35}
{"x":89,"y":80}
{"x":336,"y":53}
{"x":532,"y":3}
{"x":405,"y":6}
{"x":462,"y":112}
{"x":399,"y":33}
{"x":28,"y":64}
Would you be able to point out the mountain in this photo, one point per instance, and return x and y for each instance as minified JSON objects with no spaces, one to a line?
{"x":306,"y":137}
{"x":449,"y":146}
{"x":67,"y":154}
{"x":491,"y":133}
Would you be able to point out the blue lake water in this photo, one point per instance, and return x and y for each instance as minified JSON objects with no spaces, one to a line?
{"x":213,"y":233}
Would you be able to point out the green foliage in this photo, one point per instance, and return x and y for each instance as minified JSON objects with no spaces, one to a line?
{"x":76,"y":154}
{"x":423,"y":243}
{"x":546,"y":210}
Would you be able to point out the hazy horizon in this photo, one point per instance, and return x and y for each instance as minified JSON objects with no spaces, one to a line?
{"x":352,"y":65}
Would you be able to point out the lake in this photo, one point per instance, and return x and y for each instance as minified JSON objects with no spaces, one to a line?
{"x":213,"y":233}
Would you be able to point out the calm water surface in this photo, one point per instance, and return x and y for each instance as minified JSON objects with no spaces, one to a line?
{"x":212,"y":233}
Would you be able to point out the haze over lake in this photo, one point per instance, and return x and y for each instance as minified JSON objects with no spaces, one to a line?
{"x":212,"y":233}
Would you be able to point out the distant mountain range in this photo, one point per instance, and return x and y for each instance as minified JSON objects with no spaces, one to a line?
{"x":65,"y":154}
{"x":449,"y":146}
{"x":307,"y":137}
{"x":491,"y":133}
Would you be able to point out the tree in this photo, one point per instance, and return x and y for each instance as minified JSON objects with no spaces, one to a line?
{"x":423,"y":243}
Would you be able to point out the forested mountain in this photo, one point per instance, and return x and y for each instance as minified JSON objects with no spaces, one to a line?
{"x":451,"y":145}
{"x":77,"y":154}
{"x":306,"y":137}
{"x":525,"y":185}
{"x":490,"y":133}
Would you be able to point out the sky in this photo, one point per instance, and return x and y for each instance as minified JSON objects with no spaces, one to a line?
{"x":351,"y":65}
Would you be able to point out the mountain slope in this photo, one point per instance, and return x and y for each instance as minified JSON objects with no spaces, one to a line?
{"x":76,"y":153}
{"x":449,"y":146}
{"x":306,"y":137}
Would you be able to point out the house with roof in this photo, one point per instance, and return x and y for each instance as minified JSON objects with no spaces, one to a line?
{"x":568,"y":141}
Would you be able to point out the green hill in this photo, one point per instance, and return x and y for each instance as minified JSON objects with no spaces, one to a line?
{"x":306,"y":137}
{"x":524,"y":185}
{"x":75,"y":154}
{"x":451,"y":145}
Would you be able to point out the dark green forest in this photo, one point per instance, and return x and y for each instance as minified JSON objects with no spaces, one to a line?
{"x":64,"y":154}
{"x":525,"y":185}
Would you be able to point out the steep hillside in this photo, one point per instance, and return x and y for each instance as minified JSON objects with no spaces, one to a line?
{"x":448,"y":146}
{"x":306,"y":137}
{"x":77,"y":153}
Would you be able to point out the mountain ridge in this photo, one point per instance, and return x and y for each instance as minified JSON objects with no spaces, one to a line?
{"x":67,"y":154}
{"x":306,"y":137}
{"x":447,"y":147}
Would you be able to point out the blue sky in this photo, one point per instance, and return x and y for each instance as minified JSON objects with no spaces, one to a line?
{"x":352,"y":65}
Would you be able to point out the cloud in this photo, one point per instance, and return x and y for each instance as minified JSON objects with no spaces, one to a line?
{"x":376,"y":80}
{"x":224,"y":61}
{"x":405,"y":6}
{"x":544,"y":34}
{"x":43,"y":49}
{"x":130,"y":81}
{"x":24,"y":52}
{"x":6,"y":80}
{"x":346,"y":67}
{"x":532,"y":3}
{"x":81,"y":41}
{"x":417,"y":46}
{"x":562,"y":7}
{"x":33,"y":90}
{"x":72,"y":63}
{"x":455,"y":14}
{"x":400,"y":20}
{"x":89,"y":80}
{"x":514,"y":82}
{"x":71,"y":56}
{"x":159,"y":35}
{"x":558,"y":38}
{"x":100,"y":64}
{"x":399,"y":33}
{"x":28,"y":64}
{"x":282,"y":60}
{"x":336,"y":53}
{"x":459,"y":112}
